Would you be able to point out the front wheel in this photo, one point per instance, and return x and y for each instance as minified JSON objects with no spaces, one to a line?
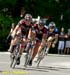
{"x":26,"y":60}
{"x":14,"y":64}
{"x":12,"y":59}
{"x":41,"y":56}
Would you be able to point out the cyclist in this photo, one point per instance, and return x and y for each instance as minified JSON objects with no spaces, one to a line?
{"x":20,"y":33}
{"x":52,"y":36}
{"x":41,"y":37}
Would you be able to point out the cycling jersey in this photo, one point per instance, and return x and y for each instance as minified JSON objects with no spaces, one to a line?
{"x":52,"y":33}
{"x":24,"y":27}
{"x":39,"y":33}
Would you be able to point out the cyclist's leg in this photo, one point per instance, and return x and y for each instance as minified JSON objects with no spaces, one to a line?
{"x":35,"y":50}
{"x":49,"y":43}
{"x":13,"y":42}
{"x":41,"y":47}
{"x":10,"y":45}
{"x":22,"y":47}
{"x":31,"y":51}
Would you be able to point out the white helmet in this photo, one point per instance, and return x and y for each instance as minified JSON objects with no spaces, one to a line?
{"x":51,"y":24}
{"x":28,"y":17}
{"x":41,"y":22}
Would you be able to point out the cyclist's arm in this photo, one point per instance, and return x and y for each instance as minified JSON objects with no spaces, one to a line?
{"x":29,"y":34}
{"x":44,"y":34}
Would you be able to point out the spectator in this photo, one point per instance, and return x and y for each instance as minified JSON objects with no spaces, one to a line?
{"x":67,"y":43}
{"x":61,"y":41}
{"x":10,"y":34}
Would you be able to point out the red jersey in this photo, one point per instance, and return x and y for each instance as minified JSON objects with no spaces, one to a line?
{"x":24,"y":27}
{"x":40,"y":32}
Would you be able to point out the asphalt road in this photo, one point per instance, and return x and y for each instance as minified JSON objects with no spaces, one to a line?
{"x":53,"y":64}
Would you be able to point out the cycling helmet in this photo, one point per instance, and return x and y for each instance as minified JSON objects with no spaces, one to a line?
{"x":51,"y":25}
{"x":41,"y":22}
{"x":28,"y":17}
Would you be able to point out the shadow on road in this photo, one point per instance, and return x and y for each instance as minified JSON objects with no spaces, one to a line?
{"x":43,"y":68}
{"x":33,"y":69}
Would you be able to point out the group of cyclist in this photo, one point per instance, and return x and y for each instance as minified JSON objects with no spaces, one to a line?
{"x":34,"y":36}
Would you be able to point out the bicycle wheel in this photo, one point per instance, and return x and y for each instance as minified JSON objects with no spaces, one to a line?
{"x":26,"y":60}
{"x":12,"y":60}
{"x":15,"y":56}
{"x":41,"y":56}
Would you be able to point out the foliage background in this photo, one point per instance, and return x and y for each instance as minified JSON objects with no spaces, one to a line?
{"x":10,"y":11}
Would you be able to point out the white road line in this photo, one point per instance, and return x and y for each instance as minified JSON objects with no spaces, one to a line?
{"x":4,"y":52}
{"x":4,"y":62}
{"x":8,"y":53}
{"x":48,"y":54}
